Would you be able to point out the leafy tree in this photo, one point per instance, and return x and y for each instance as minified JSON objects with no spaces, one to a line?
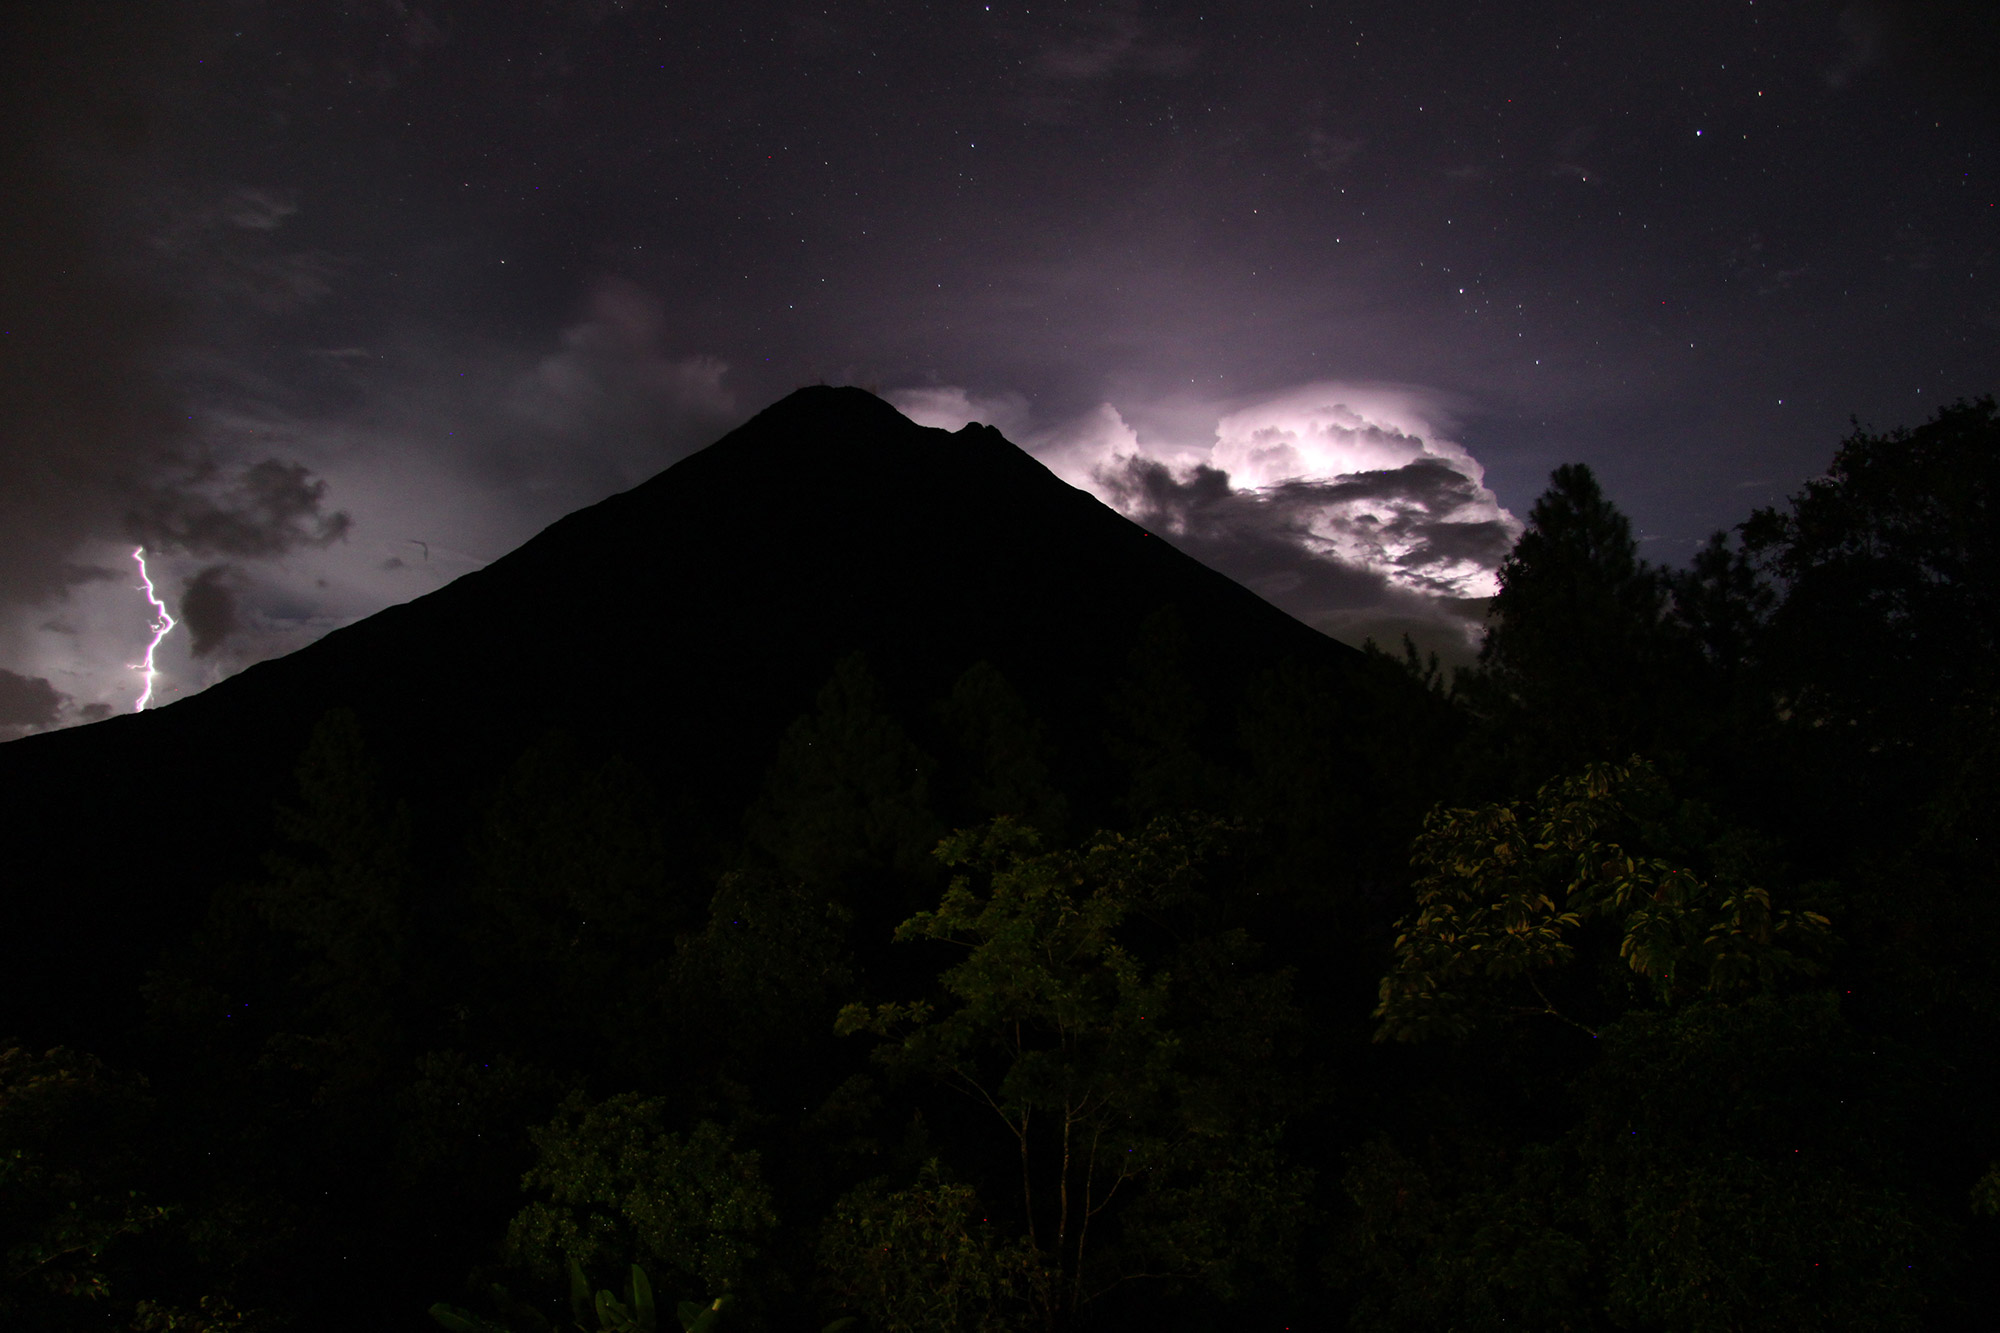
{"x":1889,"y":567}
{"x":1505,"y":891}
{"x":570,"y":885}
{"x":766,"y":969}
{"x":342,"y":894}
{"x":460,"y":1122}
{"x":1161,"y":716}
{"x":1721,"y":1172}
{"x":1739,"y":1167}
{"x":343,"y":888}
{"x":925,"y":1259}
{"x":1722,"y":603}
{"x":212,"y":1314}
{"x":70,"y":1135}
{"x":1468,"y":1241}
{"x":599,"y":1312}
{"x":1722,"y":1159}
{"x":1986,"y":1192}
{"x":1883,"y":654}
{"x":1577,"y":662}
{"x":1118,"y":1080}
{"x":1337,"y":769}
{"x":620,"y":1185}
{"x":849,"y":793}
{"x":1005,"y":751}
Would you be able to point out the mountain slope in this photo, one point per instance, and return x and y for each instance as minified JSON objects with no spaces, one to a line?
{"x":683,"y":623}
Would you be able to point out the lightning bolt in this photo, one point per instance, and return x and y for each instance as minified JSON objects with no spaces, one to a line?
{"x":163,"y":625}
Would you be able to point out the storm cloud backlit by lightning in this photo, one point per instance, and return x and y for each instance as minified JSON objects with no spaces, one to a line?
{"x":285,"y":283}
{"x":1345,"y":504}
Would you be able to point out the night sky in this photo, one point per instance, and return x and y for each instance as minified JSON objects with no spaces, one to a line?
{"x":328,"y":303}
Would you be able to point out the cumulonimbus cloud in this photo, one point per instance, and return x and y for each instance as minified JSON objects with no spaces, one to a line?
{"x":1362,"y":475}
{"x":1347,"y":505}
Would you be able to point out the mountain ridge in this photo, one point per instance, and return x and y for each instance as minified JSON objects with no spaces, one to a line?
{"x":683,"y":623}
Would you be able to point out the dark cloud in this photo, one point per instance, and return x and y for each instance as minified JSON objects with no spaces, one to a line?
{"x":1411,"y":519}
{"x":1075,"y":49}
{"x":465,"y":268}
{"x":27,"y":703}
{"x":80,"y":328}
{"x":267,"y":509}
{"x":1331,"y":152}
{"x":105,"y":269}
{"x":614,"y":379}
{"x":1149,"y":491}
{"x":210,"y":608}
{"x":226,"y":247}
{"x":1951,"y":44}
{"x":1370,"y":555}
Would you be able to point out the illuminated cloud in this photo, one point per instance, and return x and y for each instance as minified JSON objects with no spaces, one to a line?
{"x":611,"y":371}
{"x":1346,"y":505}
{"x":951,"y":408}
{"x":1361,"y":475}
{"x":270,"y":518}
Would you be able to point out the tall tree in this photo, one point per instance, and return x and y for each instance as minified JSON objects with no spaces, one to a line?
{"x":1138,"y":1094}
{"x":622,"y":1187}
{"x":1005,"y":758}
{"x":72,"y":1136}
{"x":570,"y":886}
{"x":1576,"y":655}
{"x":1721,"y":1157}
{"x":1163,"y":723}
{"x":1889,"y":625}
{"x":848,"y":797}
{"x":1507,"y":893}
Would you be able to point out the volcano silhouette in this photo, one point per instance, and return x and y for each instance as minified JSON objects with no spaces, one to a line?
{"x":682,"y":624}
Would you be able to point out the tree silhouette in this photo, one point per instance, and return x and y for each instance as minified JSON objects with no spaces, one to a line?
{"x":1576,"y":657}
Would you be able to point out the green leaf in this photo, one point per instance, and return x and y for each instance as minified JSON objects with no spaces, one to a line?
{"x":612,"y":1314}
{"x":643,"y":1310}
{"x":462,"y":1321}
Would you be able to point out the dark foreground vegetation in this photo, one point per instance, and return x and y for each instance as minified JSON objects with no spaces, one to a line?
{"x":1645,"y":977}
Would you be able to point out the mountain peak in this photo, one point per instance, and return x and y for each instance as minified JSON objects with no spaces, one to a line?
{"x":684,"y":623}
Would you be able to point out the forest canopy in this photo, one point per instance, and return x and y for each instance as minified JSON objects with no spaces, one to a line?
{"x":1641,"y":976}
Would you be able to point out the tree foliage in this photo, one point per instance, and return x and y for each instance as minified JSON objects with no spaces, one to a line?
{"x":342,"y":894}
{"x":1101,"y":1063}
{"x":68,"y":1154}
{"x":926,"y":1259}
{"x":1124,"y":1080}
{"x":1890,"y":571}
{"x":1707,"y":1182}
{"x":1505,"y":892}
{"x":849,"y":793}
{"x":618,"y":1185}
{"x":1576,"y":663}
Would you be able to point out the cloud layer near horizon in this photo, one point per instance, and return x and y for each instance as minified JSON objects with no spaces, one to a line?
{"x":269,"y":519}
{"x":1343,"y":504}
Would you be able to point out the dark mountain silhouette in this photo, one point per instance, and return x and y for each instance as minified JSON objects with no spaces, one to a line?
{"x":682,"y":624}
